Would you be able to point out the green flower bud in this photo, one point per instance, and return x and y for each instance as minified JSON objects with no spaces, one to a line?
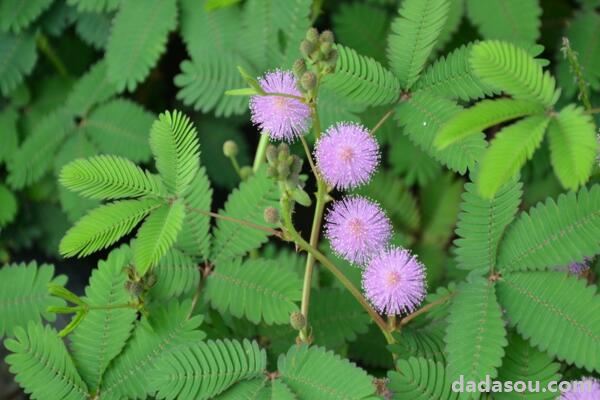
{"x":271,"y":153}
{"x":246,"y":172}
{"x":312,"y":35}
{"x":326,"y":49}
{"x":283,"y":170}
{"x":230,"y":148}
{"x":307,"y":48}
{"x":299,"y":67}
{"x":272,"y":171}
{"x":297,"y":320}
{"x":327,"y":37}
{"x":308,"y":81}
{"x":297,"y":166}
{"x":284,"y":151}
{"x":271,"y":215}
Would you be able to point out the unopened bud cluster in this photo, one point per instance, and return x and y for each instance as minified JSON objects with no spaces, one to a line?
{"x":283,"y":165}
{"x":319,"y":58}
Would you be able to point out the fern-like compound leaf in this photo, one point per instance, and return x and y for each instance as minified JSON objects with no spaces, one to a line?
{"x":361,"y":27}
{"x":508,"y":68}
{"x":105,"y":225}
{"x":314,"y":373}
{"x":231,"y":240}
{"x":120,"y":127}
{"x":16,"y":15}
{"x":257,"y":289}
{"x":573,"y":146}
{"x":194,"y":239}
{"x":108,"y":178}
{"x":452,"y":77}
{"x":174,"y":142}
{"x":422,"y":342}
{"x":483,"y":115}
{"x":516,"y":21}
{"x":138,"y":37}
{"x":557,"y":312}
{"x":361,"y":79}
{"x":157,"y":235}
{"x":34,"y":158}
{"x":102,"y":334}
{"x":413,"y":37}
{"x":167,"y":329}
{"x":259,"y":388}
{"x":525,"y":363}
{"x":423,"y":115}
{"x":508,"y":152}
{"x":18,"y":59}
{"x":24,"y":294}
{"x":91,"y":89}
{"x":476,"y":336}
{"x":176,"y":274}
{"x":95,"y":5}
{"x":412,"y":163}
{"x":554,"y":233}
{"x":482,"y":223}
{"x":205,"y":369}
{"x":421,"y":379}
{"x":9,"y":137}
{"x":42,"y":365}
{"x":8,"y":206}
{"x":93,"y":28}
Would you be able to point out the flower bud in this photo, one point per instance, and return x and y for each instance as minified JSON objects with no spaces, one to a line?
{"x":246,"y":172}
{"x":272,"y":171}
{"x":283,"y":170}
{"x":271,"y":153}
{"x":284,"y":151}
{"x":308,"y":81}
{"x":297,"y":166}
{"x":271,"y":215}
{"x":326,"y":49}
{"x":230,"y":148}
{"x":307,"y":48}
{"x":299,"y":67}
{"x":312,"y":35}
{"x":297,"y":320}
{"x":327,"y":37}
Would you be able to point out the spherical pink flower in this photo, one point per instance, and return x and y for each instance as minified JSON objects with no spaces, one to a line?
{"x":585,"y":389}
{"x":357,"y":228}
{"x":579,"y":268}
{"x":347,"y":155}
{"x":283,"y":118}
{"x":394,"y":281}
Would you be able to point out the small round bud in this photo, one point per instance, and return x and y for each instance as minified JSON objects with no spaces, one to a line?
{"x":271,"y":153}
{"x":312,"y":35}
{"x":230,"y":148}
{"x":272,"y":171}
{"x":297,"y":320}
{"x":307,"y":48}
{"x":308,"y":81}
{"x":297,"y":166}
{"x":283,"y":151}
{"x":134,"y":288}
{"x":327,"y":37}
{"x":299,"y":67}
{"x":326,"y":49}
{"x":283,"y":170}
{"x":271,"y":215}
{"x":246,"y":172}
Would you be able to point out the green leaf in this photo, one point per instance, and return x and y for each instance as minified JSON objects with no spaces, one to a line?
{"x":102,"y":334}
{"x":314,"y":373}
{"x":440,"y":201}
{"x":174,"y":142}
{"x":452,"y":77}
{"x":482,"y":223}
{"x":291,"y":19}
{"x":167,"y":329}
{"x":230,"y":239}
{"x":558,"y":313}
{"x":412,"y":163}
{"x":554,"y":233}
{"x":361,"y":79}
{"x":211,"y":5}
{"x":476,"y":335}
{"x":508,"y":68}
{"x":138,"y":38}
{"x":508,"y":152}
{"x":94,"y":28}
{"x":9,"y":137}
{"x":516,"y":21}
{"x":524,"y":363}
{"x":423,"y":115}
{"x":19,"y":57}
{"x":8,"y":206}
{"x":176,"y":274}
{"x":120,"y":127}
{"x":483,"y":115}
{"x":109,"y":177}
{"x":24,"y":294}
{"x":42,"y":365}
{"x":95,"y":5}
{"x":423,"y":342}
{"x":16,"y":15}
{"x":92,"y":88}
{"x":157,"y":235}
{"x":257,"y":289}
{"x":220,"y":364}
{"x":421,"y":379}
{"x":105,"y":225}
{"x":259,"y":388}
{"x":35,"y":156}
{"x":573,"y":146}
{"x":413,"y":37}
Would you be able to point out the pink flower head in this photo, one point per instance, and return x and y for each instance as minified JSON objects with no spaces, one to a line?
{"x":357,"y":228}
{"x":394,"y":281}
{"x":347,"y":155}
{"x":579,"y":268}
{"x":283,"y":118}
{"x":585,"y":389}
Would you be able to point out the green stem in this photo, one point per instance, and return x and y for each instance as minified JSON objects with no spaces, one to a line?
{"x":112,"y":306}
{"x":236,"y":166}
{"x":261,"y":150}
{"x":44,"y":45}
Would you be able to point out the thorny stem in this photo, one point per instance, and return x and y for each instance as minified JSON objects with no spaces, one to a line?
{"x":576,"y":69}
{"x":381,"y":121}
{"x":425,"y":309}
{"x":261,"y":150}
{"x":270,"y":231}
